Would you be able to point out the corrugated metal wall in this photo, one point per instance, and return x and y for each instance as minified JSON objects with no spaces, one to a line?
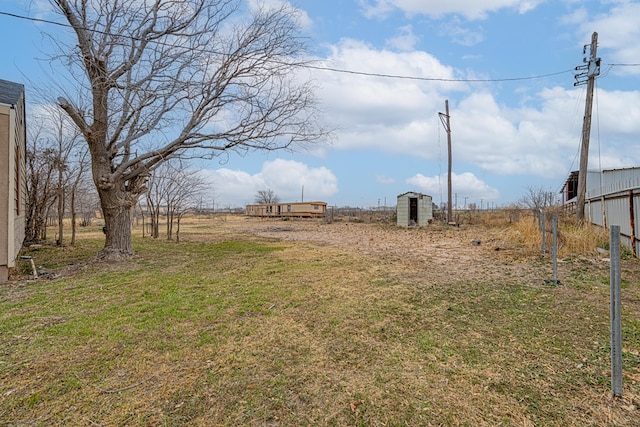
{"x":612,"y":181}
{"x":613,"y":198}
{"x":618,"y":210}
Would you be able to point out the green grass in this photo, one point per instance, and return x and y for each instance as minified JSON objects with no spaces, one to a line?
{"x":234,"y":330}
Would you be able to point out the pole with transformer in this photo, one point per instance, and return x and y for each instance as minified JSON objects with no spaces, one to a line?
{"x":591,"y":71}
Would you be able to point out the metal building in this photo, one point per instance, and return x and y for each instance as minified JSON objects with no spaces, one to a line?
{"x":613,"y":198}
{"x":414,"y":210}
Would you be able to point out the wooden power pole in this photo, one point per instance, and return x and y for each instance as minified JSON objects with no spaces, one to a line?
{"x":447,"y":125}
{"x":592,"y":67}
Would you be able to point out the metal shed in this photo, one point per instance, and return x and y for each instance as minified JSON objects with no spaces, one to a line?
{"x":414,"y":209}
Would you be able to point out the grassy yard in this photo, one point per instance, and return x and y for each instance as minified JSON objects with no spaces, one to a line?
{"x":230,"y":329}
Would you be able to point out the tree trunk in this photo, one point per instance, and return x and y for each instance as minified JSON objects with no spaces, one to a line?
{"x":155,"y":224}
{"x":144,"y":226}
{"x":178,"y":228}
{"x":117,"y":219}
{"x":45,"y":223}
{"x":169,"y":223}
{"x":73,"y":215}
{"x":60,"y":213}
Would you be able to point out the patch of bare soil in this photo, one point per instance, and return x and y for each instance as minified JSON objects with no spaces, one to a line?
{"x":467,"y":252}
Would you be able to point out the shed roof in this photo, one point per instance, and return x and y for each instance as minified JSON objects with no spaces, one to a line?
{"x":10,"y":92}
{"x":413,"y":192}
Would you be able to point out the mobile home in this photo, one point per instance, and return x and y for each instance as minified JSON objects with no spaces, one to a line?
{"x":280,"y":210}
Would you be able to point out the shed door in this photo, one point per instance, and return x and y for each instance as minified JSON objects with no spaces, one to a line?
{"x":413,"y":209}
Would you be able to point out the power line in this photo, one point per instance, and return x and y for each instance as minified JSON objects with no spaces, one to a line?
{"x":438,"y":79}
{"x":624,"y":65}
{"x":29,"y":18}
{"x":317,"y":67}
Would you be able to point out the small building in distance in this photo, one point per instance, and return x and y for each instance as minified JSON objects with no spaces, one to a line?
{"x":296,"y":209}
{"x":13,"y":188}
{"x":414,"y":210}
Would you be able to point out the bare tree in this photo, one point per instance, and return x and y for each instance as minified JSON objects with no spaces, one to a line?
{"x":173,"y":189}
{"x":65,"y":137}
{"x":186,"y":200}
{"x":265,"y":197}
{"x":179,"y":78}
{"x":78,"y":177}
{"x":539,"y":201}
{"x":537,"y":198}
{"x":40,"y":183}
{"x":155,"y":196}
{"x":54,"y":168}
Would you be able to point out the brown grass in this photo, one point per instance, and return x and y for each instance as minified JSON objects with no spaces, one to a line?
{"x":304,"y":323}
{"x":572,"y":240}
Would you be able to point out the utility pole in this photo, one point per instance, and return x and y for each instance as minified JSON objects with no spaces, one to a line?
{"x":444,"y":118}
{"x":592,"y":67}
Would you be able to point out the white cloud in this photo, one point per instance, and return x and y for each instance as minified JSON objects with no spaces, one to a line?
{"x":302,"y":17}
{"x":471,"y":9}
{"x":288,"y":177}
{"x":543,"y":141}
{"x":576,"y":17}
{"x":461,"y":34}
{"x":377,"y":8}
{"x":618,"y":34}
{"x":538,"y":137}
{"x":377,"y":112}
{"x":405,"y":40}
{"x":465,"y":185}
{"x":236,"y":188}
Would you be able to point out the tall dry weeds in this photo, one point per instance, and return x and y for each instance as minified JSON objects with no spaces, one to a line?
{"x":572,"y":239}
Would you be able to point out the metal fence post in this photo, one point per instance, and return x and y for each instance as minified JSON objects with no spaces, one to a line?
{"x":616,"y":321}
{"x":555,"y":250}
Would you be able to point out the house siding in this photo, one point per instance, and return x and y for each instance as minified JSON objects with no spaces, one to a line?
{"x":12,"y":174}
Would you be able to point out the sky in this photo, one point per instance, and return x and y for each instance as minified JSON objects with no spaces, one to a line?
{"x":386,"y":69}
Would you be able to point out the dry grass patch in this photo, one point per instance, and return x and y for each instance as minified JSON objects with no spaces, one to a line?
{"x":243,"y":325}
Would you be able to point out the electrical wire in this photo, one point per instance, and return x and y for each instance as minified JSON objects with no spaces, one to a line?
{"x":579,"y":100}
{"x":316,"y":67}
{"x":624,"y":65}
{"x":598,"y":132}
{"x":437,"y":79}
{"x":333,"y":69}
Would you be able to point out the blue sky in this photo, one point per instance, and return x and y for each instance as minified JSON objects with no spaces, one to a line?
{"x":507,"y":134}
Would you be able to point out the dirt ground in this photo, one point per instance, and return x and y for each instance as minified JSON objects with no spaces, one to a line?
{"x":471,"y":252}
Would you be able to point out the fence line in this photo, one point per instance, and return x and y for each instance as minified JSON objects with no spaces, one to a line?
{"x":618,"y":208}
